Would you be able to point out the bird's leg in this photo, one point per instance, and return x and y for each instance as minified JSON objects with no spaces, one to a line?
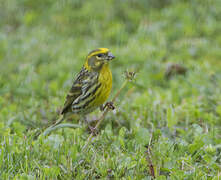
{"x":102,"y":107}
{"x":93,"y":130}
{"x":109,"y":105}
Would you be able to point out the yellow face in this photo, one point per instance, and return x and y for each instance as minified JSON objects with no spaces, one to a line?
{"x":97,"y":58}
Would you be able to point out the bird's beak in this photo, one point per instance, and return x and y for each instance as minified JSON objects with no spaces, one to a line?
{"x":110,"y":56}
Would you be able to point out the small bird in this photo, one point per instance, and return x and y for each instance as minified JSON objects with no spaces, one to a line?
{"x":92,"y":85}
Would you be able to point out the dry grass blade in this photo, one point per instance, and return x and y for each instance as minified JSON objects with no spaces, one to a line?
{"x":149,"y":159}
{"x":103,"y":115}
{"x":129,"y":77}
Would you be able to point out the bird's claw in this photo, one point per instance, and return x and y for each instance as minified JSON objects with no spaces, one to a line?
{"x":93,"y":130}
{"x":109,"y":105}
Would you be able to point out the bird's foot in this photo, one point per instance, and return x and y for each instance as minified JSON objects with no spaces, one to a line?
{"x":93,"y":130}
{"x":109,"y":105}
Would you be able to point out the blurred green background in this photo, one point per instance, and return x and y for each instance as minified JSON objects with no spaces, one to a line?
{"x":43,"y":44}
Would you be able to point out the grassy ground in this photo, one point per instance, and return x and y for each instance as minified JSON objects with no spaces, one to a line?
{"x":43,"y":44}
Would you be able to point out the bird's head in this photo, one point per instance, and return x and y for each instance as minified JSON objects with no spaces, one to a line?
{"x":97,"y":58}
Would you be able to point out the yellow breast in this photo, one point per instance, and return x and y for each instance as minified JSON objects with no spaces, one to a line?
{"x":105,"y":78}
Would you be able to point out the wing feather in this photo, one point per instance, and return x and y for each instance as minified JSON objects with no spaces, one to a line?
{"x":80,"y":83}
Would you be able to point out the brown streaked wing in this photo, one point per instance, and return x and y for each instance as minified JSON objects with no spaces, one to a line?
{"x":76,"y":90}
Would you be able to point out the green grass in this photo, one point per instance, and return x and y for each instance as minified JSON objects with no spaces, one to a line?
{"x":43,"y":44}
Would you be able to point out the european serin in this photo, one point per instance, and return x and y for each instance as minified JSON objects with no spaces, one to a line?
{"x":92,"y":85}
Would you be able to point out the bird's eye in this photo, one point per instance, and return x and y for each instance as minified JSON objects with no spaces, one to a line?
{"x":99,"y":55}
